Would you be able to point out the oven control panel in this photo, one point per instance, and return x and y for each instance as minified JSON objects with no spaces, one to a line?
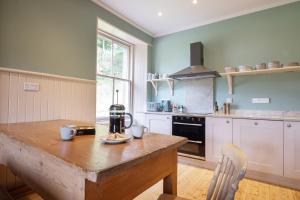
{"x":189,"y":119}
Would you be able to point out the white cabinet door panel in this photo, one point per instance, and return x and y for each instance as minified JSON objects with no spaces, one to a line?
{"x":292,"y":150}
{"x":159,"y":123}
{"x":218,"y":133}
{"x":262,"y":141}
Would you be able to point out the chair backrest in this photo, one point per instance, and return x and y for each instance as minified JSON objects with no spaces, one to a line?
{"x":230,"y":170}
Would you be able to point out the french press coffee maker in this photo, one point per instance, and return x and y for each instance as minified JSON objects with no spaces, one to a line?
{"x":117,"y":118}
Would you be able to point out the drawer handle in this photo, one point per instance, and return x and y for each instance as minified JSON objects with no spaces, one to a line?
{"x":227,"y":121}
{"x":255,"y":123}
{"x":289,"y":125}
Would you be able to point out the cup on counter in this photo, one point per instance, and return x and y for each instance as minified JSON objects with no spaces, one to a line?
{"x":67,"y":132}
{"x":138,"y":131}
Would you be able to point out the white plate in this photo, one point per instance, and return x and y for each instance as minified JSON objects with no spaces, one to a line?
{"x":119,"y":141}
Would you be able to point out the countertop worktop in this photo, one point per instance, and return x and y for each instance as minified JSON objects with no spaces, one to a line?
{"x":244,"y":114}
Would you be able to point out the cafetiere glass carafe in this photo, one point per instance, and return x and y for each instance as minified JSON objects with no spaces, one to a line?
{"x":117,"y":118}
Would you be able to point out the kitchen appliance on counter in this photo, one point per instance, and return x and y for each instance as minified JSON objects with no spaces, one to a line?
{"x":193,"y":128}
{"x":117,"y":118}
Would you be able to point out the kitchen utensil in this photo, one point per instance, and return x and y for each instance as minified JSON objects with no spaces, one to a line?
{"x":261,"y":66}
{"x":181,"y":109}
{"x":292,"y":64}
{"x":166,"y":105}
{"x":245,"y":68}
{"x":67,"y":132}
{"x":117,"y":118}
{"x":153,"y":106}
{"x":273,"y":64}
{"x":138,"y":131}
{"x":230,"y":69}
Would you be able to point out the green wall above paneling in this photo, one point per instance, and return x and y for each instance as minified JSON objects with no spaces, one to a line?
{"x":272,"y":34}
{"x":54,"y":36}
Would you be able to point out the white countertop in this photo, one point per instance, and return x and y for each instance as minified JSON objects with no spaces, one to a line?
{"x":244,"y":114}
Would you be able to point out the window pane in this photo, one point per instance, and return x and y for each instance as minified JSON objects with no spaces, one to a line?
{"x":120,"y":60}
{"x":124,"y":89}
{"x":104,"y":56}
{"x":104,"y":96}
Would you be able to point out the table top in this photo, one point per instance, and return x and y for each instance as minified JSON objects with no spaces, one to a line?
{"x":88,"y":152}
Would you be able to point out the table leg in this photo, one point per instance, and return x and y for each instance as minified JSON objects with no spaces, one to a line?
{"x":170,"y":182}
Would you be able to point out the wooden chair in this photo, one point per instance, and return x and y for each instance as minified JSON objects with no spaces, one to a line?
{"x":230,"y":170}
{"x":4,"y":195}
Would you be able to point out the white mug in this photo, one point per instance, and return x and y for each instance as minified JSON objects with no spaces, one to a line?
{"x":67,"y":132}
{"x":138,"y":131}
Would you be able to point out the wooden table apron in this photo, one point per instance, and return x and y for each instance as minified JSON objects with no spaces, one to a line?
{"x":54,"y":178}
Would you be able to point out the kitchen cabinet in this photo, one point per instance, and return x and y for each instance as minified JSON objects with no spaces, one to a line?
{"x":218,"y":133}
{"x":262,"y":141}
{"x":158,"y":123}
{"x":292,"y":150}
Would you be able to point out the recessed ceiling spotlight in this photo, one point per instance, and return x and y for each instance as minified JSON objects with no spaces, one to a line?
{"x":195,"y":1}
{"x":159,"y":14}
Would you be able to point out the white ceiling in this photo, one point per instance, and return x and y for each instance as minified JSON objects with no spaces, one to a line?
{"x":180,"y":15}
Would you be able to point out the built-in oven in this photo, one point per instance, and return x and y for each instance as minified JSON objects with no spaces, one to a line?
{"x":193,"y":128}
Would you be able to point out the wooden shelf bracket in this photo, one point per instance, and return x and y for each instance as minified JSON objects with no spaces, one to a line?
{"x":169,"y":81}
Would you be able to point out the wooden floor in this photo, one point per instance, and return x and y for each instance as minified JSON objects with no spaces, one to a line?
{"x":193,"y":184}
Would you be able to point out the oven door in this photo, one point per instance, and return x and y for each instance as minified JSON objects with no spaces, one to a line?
{"x":195,"y":133}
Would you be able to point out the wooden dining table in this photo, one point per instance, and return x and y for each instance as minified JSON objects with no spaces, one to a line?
{"x":85,"y":167}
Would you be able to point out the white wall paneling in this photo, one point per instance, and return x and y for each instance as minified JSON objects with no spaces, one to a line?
{"x":58,"y":98}
{"x":140,"y":82}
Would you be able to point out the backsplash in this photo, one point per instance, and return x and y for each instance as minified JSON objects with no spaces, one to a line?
{"x":246,"y":40}
{"x":195,"y":95}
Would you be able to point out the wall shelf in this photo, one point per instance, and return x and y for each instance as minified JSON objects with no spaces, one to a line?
{"x":230,"y":75}
{"x":169,"y":81}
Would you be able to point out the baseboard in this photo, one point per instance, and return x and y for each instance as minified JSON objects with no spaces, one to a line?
{"x":254,"y":175}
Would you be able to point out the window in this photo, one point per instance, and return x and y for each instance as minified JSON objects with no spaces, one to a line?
{"x":113,"y":73}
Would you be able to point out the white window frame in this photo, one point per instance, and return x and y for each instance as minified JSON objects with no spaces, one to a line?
{"x":130,"y":46}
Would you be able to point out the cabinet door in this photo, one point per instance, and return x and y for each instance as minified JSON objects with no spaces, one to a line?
{"x":262,"y":141}
{"x":159,"y":124}
{"x":218,"y":133}
{"x":292,"y":150}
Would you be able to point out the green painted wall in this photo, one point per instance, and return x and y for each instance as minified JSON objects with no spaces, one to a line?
{"x":273,"y":34}
{"x":54,"y":36}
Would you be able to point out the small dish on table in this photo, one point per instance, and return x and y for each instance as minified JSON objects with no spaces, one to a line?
{"x":115,"y":138}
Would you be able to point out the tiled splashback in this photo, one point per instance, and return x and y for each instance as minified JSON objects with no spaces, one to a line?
{"x":196,"y":95}
{"x":199,"y":95}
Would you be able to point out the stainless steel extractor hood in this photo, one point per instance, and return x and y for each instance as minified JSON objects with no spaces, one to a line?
{"x":196,"y":70}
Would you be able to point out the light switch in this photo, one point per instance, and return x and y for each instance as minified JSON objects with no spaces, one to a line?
{"x":260,"y":100}
{"x":34,"y":87}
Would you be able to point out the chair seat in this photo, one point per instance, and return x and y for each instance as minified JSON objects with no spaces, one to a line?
{"x":170,"y":197}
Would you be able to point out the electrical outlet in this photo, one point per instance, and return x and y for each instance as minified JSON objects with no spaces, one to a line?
{"x":260,"y":100}
{"x":33,"y":87}
{"x":229,"y":100}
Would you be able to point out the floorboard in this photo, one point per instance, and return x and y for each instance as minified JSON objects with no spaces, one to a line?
{"x":193,"y":183}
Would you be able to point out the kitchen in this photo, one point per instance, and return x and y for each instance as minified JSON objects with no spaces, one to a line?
{"x":72,"y":60}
